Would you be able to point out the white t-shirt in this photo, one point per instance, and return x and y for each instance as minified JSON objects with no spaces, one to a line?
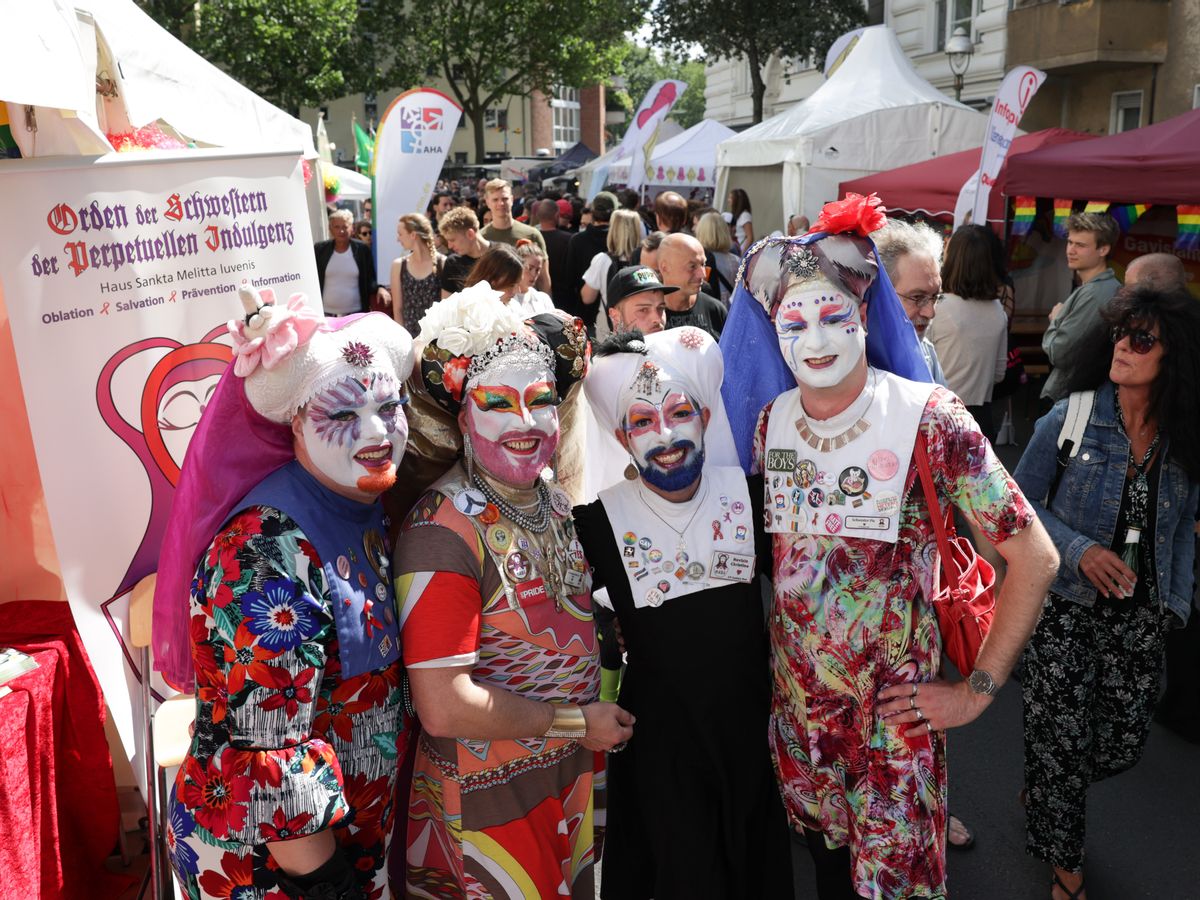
{"x":596,"y":277}
{"x":340,"y":296}
{"x":739,"y":229}
{"x":533,"y":302}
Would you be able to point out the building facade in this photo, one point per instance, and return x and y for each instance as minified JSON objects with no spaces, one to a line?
{"x":922,"y":28}
{"x":534,"y":125}
{"x":1111,"y":65}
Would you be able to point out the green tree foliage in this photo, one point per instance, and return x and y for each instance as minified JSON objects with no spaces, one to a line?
{"x":295,"y":52}
{"x":755,"y":29}
{"x":643,"y":67}
{"x":489,"y":50}
{"x":290,"y":52}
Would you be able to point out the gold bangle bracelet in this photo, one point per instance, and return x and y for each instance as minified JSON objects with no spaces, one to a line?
{"x":568,"y":722}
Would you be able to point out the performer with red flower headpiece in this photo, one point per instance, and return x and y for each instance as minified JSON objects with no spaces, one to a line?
{"x":819,"y":357}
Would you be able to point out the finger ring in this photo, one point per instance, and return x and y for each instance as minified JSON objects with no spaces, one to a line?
{"x":914,"y":690}
{"x":911,"y":703}
{"x":920,"y":715}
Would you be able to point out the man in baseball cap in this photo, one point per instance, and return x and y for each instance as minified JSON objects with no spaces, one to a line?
{"x":637,"y":300}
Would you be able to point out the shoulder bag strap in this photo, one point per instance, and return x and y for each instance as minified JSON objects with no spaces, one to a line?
{"x":1070,"y":436}
{"x":935,"y":510}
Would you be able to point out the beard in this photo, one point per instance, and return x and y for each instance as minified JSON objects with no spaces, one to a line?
{"x":675,"y":479}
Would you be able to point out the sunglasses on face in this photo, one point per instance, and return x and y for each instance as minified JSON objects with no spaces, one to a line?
{"x":1140,"y":340}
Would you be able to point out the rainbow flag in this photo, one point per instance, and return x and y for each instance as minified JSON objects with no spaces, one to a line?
{"x":1062,"y":212}
{"x":1127,"y":214}
{"x":1097,"y":206}
{"x":1024,"y":211}
{"x":1189,"y":228}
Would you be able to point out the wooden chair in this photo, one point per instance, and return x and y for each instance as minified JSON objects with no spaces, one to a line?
{"x":166,"y":736}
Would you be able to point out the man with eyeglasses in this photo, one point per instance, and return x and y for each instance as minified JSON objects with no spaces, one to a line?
{"x":912,"y":256}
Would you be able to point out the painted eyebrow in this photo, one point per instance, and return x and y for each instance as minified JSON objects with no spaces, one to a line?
{"x":536,"y":390}
{"x":795,"y":314}
{"x":840,"y":311}
{"x":497,"y":390}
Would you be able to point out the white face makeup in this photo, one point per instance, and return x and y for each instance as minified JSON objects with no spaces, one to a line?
{"x":512,"y":417}
{"x":665,"y":431}
{"x":355,"y":433}
{"x":820,"y":333}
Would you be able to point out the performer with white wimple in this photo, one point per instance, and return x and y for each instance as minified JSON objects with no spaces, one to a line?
{"x":274,"y":600}
{"x":495,"y":605}
{"x":692,"y":807}
{"x":821,"y":410}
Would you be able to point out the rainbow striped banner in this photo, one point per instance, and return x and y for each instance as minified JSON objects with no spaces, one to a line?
{"x":1188,"y":218}
{"x":1097,"y":206}
{"x":1024,"y":211}
{"x":1062,"y":212}
{"x":1127,"y":214}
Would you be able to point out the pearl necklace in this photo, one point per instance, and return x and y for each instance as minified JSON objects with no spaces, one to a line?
{"x":537,"y":523}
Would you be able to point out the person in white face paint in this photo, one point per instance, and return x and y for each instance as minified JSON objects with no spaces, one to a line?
{"x":290,"y":611}
{"x":495,"y":601}
{"x":830,"y":424}
{"x":675,"y":548}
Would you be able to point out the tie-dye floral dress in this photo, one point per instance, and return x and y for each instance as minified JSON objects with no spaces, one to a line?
{"x":850,"y":618}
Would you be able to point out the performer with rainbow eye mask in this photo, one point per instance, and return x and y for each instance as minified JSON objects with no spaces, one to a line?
{"x":495,"y":600}
{"x":274,"y":598}
{"x":828,"y":396}
{"x":692,"y":805}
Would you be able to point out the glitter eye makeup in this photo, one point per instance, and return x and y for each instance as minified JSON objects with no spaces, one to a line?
{"x":820,"y":334}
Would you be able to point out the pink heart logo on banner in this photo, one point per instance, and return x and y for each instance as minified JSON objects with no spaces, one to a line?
{"x":666,"y":96}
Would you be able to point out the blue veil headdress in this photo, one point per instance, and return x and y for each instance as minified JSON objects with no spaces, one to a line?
{"x":755,"y":372}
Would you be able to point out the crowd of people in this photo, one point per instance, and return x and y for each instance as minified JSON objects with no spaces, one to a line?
{"x":666,"y":599}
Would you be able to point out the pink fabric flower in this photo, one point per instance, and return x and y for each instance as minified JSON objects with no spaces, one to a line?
{"x":273,"y":333}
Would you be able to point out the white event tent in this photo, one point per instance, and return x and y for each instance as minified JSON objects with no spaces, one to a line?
{"x":685,"y":161}
{"x":87,"y":67}
{"x":873,"y":113}
{"x":609,"y":165}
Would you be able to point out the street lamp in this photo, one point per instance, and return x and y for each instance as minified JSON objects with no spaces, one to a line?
{"x":959,"y":49}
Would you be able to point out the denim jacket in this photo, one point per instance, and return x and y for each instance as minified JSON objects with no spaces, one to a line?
{"x":1086,"y":504}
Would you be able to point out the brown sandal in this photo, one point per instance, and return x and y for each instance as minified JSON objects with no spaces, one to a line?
{"x":1076,"y":894}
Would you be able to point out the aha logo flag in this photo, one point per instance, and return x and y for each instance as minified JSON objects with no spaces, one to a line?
{"x":411,"y":144}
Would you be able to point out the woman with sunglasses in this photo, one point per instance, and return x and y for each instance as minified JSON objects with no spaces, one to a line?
{"x":1121,"y":513}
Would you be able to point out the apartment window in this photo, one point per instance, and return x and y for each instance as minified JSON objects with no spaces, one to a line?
{"x":951,"y":14}
{"x":460,"y":157}
{"x":495,"y":118}
{"x":1126,"y":111}
{"x":741,"y":76}
{"x":564,"y":105}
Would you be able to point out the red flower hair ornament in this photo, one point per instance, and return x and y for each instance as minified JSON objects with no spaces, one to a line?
{"x":856,"y":213}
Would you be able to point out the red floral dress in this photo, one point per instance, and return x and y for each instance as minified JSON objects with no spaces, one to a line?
{"x":283,"y":746}
{"x":850,"y":618}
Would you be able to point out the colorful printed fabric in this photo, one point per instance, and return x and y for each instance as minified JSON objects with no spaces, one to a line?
{"x":1024,"y":212}
{"x":493,"y":818}
{"x":850,"y":618}
{"x":283,"y":746}
{"x":1062,"y":212}
{"x":1189,"y":227}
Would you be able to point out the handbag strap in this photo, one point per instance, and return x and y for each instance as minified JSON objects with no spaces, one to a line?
{"x":921,"y":456}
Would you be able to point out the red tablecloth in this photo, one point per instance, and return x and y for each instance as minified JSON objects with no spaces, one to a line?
{"x":58,"y":799}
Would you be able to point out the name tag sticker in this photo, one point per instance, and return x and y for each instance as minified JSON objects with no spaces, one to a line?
{"x":868,"y":523}
{"x":731,"y":566}
{"x":781,"y":460}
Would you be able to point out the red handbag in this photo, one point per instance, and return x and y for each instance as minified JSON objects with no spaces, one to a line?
{"x":965,"y":597}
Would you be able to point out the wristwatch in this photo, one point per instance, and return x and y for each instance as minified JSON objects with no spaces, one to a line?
{"x":982,"y":682}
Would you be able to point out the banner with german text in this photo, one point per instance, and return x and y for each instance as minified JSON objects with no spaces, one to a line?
{"x":118,"y":275}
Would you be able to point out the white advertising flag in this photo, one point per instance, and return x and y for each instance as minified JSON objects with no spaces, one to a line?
{"x":1017,"y":89}
{"x":411,"y":144}
{"x":642,"y":133}
{"x":118,"y":275}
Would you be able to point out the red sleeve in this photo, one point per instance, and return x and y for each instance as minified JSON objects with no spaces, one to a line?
{"x":440,"y":618}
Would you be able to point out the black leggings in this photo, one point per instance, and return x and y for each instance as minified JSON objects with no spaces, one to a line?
{"x":834,"y":866}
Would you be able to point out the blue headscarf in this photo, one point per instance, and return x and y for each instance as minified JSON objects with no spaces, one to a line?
{"x":755,"y":372}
